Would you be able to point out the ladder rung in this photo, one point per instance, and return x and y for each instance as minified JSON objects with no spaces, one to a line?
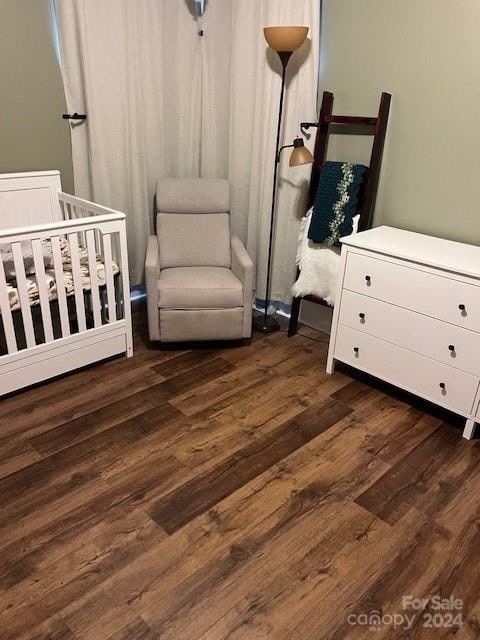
{"x":316,"y":300}
{"x":355,"y":120}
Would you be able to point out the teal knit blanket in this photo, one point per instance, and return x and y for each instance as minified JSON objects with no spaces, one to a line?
{"x":336,"y":202}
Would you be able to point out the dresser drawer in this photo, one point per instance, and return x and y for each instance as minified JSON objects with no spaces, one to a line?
{"x":405,"y":286}
{"x":437,"y":382}
{"x":439,"y":340}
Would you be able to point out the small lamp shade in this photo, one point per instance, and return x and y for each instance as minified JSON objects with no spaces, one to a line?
{"x":300,"y":154}
{"x":285,"y":39}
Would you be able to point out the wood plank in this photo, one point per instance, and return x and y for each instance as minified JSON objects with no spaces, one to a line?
{"x":363,"y":121}
{"x":137,"y":630}
{"x":15,"y":455}
{"x":54,"y":629}
{"x":286,"y":362}
{"x":197,"y":496}
{"x":197,"y":376}
{"x":61,"y":592}
{"x":208,"y":596}
{"x":85,"y":517}
{"x":384,"y":427}
{"x":407,"y":482}
{"x":85,"y":426}
{"x":254,"y":411}
{"x":409,"y":571}
{"x":184,"y":362}
{"x":85,"y":552}
{"x":36,"y":494}
{"x":105,"y":390}
{"x":66,"y":390}
{"x":98,"y":615}
{"x":356,"y":564}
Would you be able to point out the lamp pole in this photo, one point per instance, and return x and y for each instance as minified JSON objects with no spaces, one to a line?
{"x":265,"y":323}
{"x":284,"y":40}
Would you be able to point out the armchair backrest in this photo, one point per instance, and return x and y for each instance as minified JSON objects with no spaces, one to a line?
{"x":193,"y":222}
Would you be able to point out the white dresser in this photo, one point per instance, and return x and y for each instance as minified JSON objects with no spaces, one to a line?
{"x":408,"y":312}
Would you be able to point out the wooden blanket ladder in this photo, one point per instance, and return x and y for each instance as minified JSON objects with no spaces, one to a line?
{"x":375,"y":126}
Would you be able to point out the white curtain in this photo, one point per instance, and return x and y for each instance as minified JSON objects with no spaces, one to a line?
{"x":136,"y":70}
{"x":161,"y":100}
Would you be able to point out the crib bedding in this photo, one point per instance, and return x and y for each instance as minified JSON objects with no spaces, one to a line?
{"x":32,"y":287}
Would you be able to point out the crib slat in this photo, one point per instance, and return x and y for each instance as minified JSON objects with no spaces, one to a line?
{"x":98,"y":242}
{"x":127,"y":310}
{"x":92,"y":267}
{"x":61,"y":295}
{"x":22,"y":288}
{"x":42,"y":289}
{"x":7,"y":313}
{"x":83,"y":214}
{"x":77,"y":282}
{"x":107,"y":254}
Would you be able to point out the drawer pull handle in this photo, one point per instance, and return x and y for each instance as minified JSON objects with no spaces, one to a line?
{"x":461,"y":307}
{"x":368,"y":279}
{"x":442,"y":385}
{"x":361,"y":316}
{"x":451,"y":347}
{"x":356,"y":350}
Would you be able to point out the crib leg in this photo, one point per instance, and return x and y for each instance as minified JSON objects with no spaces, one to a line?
{"x":330,"y":368}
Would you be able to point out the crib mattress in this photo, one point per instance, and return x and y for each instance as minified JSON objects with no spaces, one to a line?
{"x":50,"y":279}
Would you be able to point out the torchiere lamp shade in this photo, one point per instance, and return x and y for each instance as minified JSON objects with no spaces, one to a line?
{"x":300,"y":154}
{"x":285,"y":39}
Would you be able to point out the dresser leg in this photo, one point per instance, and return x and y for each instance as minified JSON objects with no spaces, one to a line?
{"x":330,"y":368}
{"x":469,"y":431}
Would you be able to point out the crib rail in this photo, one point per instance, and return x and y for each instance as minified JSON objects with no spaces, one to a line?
{"x":63,"y":279}
{"x":74,"y":208}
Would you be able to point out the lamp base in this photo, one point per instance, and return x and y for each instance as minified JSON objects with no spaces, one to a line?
{"x":265,"y":324}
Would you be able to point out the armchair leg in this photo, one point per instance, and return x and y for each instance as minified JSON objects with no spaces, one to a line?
{"x":294,"y":313}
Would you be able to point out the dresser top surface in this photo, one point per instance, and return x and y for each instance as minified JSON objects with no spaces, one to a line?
{"x":417,"y":247}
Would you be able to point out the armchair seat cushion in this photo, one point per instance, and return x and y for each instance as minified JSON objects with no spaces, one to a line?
{"x":199,"y":288}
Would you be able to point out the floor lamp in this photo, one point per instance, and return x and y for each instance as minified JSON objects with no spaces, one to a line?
{"x":283,"y":40}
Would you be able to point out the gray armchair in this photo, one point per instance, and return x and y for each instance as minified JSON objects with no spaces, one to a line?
{"x":199,"y":280}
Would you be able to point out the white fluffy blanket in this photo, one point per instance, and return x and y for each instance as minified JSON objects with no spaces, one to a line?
{"x":318,"y":264}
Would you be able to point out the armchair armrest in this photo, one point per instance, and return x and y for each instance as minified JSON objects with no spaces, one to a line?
{"x":242,"y":268}
{"x":152,"y":273}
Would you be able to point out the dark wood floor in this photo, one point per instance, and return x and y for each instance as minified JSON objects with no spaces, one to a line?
{"x":232,"y":494}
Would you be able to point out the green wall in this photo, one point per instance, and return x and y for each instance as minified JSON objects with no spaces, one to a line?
{"x":33,"y":135}
{"x":427,"y":54}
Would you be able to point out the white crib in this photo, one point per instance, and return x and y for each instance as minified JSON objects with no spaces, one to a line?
{"x":68,"y":304}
